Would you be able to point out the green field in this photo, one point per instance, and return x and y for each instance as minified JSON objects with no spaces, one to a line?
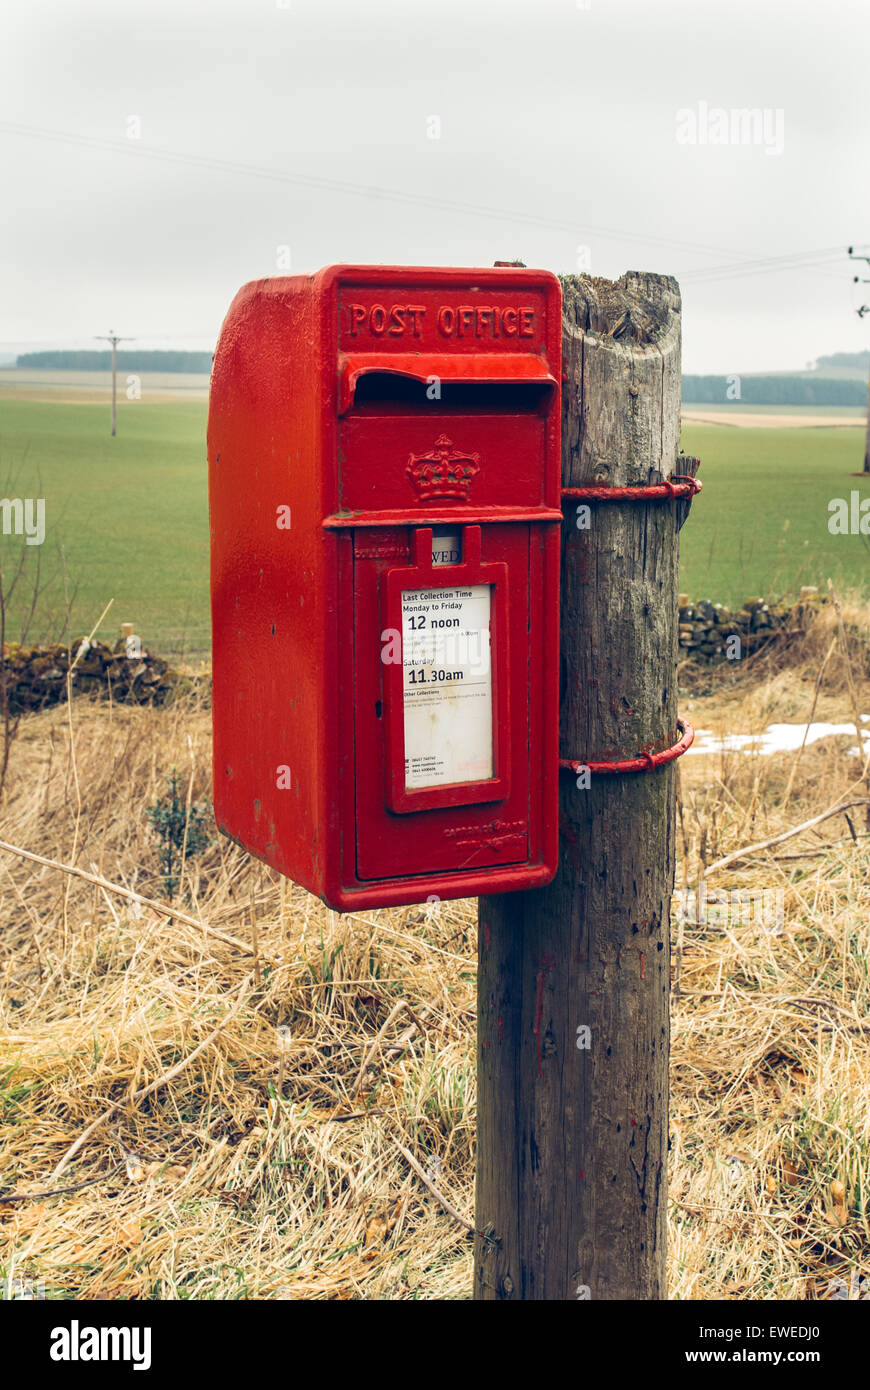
{"x":126,"y":518}
{"x":760,"y":527}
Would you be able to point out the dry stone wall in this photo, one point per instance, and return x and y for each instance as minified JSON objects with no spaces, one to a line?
{"x":36,"y":677}
{"x":713,"y":632}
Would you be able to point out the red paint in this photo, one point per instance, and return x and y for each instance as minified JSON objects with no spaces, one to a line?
{"x":547,"y":964}
{"x":644,"y":763}
{"x":678,"y":485}
{"x":318,"y":404}
{"x":642,"y":965}
{"x":500,"y":1031}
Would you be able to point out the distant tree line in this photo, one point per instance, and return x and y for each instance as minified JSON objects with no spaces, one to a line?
{"x":774,"y":390}
{"x":845,"y":359}
{"x":697,"y":390}
{"x":133,"y":360}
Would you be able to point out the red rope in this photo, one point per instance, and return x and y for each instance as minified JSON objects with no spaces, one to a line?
{"x":645,"y":762}
{"x":678,"y":485}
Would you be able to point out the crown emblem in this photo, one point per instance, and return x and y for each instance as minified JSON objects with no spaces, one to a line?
{"x":443,"y":471}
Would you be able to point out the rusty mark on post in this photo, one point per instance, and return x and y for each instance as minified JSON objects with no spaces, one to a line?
{"x":547,"y":964}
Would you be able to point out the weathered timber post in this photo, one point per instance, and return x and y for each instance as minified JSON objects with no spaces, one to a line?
{"x":573,"y":984}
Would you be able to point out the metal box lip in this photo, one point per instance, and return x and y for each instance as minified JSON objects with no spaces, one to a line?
{"x":464,"y":276}
{"x":403,"y":892}
{"x":487,"y":368}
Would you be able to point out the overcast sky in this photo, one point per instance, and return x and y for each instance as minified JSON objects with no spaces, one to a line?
{"x":563,"y":141}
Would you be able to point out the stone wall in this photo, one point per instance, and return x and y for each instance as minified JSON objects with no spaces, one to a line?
{"x":36,"y":677}
{"x":711,"y":632}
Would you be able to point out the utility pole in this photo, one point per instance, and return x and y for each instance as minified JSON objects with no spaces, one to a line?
{"x":113,"y":338}
{"x":865,"y":309}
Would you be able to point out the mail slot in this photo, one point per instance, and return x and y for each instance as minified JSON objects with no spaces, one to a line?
{"x":384,"y":475}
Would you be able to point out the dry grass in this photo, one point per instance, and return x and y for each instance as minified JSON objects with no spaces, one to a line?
{"x":215,"y":1185}
{"x":770,"y":1176}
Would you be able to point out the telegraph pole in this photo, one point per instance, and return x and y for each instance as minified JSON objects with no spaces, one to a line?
{"x":865,"y":309}
{"x":113,"y":338}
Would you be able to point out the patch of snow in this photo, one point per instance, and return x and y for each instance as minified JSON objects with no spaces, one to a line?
{"x":778,"y":738}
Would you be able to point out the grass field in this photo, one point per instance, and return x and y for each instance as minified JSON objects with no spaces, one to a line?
{"x":761,"y":524}
{"x":126,"y":518}
{"x":130,"y":516}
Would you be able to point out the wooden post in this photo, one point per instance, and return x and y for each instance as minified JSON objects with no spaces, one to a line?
{"x":573,"y":984}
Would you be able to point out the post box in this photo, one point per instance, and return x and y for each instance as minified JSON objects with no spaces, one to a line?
{"x":384,"y":486}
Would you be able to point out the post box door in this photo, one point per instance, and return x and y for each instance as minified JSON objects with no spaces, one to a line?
{"x":443,"y":775}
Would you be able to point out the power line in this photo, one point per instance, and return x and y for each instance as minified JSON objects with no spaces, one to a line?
{"x":764,"y":265}
{"x":735,"y":268}
{"x":128,"y":147}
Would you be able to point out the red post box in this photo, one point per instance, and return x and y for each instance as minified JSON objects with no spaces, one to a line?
{"x":384,"y":481}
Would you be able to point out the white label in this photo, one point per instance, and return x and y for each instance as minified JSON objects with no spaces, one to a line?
{"x":445,"y":547}
{"x":447,"y":684}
